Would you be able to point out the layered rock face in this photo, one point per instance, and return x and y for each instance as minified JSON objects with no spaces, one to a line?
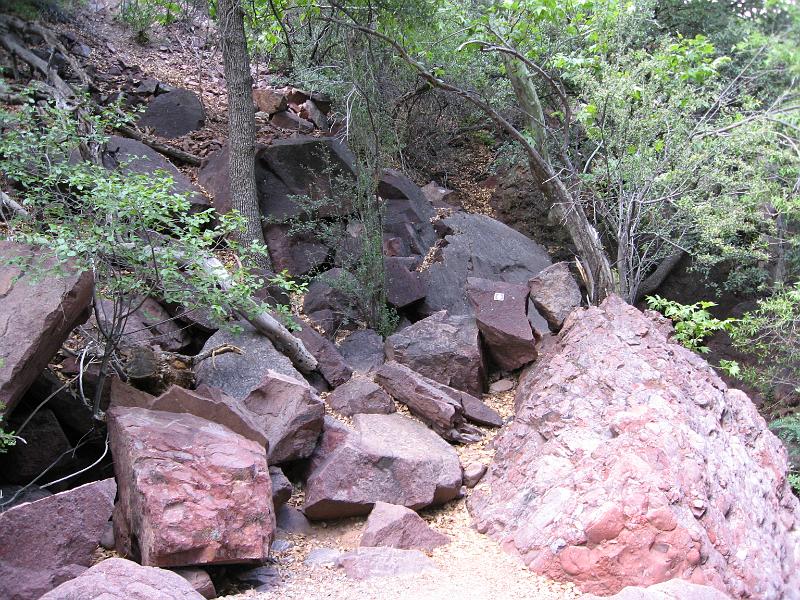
{"x":630,"y":462}
{"x":36,"y":316}
{"x":191,"y":491}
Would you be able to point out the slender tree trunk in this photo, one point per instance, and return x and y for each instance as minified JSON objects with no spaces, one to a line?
{"x":241,"y":122}
{"x":595,"y":263}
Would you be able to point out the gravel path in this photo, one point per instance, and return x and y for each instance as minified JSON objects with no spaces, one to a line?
{"x":471,"y":567}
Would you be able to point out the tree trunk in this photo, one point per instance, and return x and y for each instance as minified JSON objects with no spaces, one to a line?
{"x":241,"y":122}
{"x":595,"y":264}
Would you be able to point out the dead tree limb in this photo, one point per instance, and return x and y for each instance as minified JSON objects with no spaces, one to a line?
{"x":168,"y":151}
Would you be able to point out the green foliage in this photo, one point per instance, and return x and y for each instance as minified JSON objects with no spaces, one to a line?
{"x":142,"y":15}
{"x":7,"y":438}
{"x":771,"y":334}
{"x":134,"y":234}
{"x":296,"y":290}
{"x":788,"y":430}
{"x":693,"y":323}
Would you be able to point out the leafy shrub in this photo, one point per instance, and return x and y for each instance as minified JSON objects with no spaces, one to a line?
{"x":771,"y":333}
{"x":693,"y":323}
{"x":131,"y":231}
{"x":788,"y":430}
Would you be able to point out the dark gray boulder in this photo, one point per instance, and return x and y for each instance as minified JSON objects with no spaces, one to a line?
{"x":174,"y":114}
{"x":478,"y":246}
{"x":445,"y":348}
{"x":239,"y":374}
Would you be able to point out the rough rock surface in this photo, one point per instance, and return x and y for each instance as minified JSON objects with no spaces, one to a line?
{"x":403,"y":286}
{"x":407,"y":213}
{"x":174,"y":114}
{"x":674,"y":589}
{"x":400,"y":527}
{"x":281,"y":487}
{"x":289,"y":413}
{"x":479,"y":246}
{"x":239,"y":374}
{"x":555,"y":294}
{"x":269,"y":101}
{"x":35,"y":319}
{"x":500,"y":311}
{"x":389,"y":458}
{"x":445,"y":348}
{"x":209,"y":403}
{"x":302,"y":166}
{"x":120,"y":579}
{"x":150,"y":324}
{"x":299,"y":253}
{"x":440,"y":407}
{"x":360,"y":395}
{"x":330,"y":363}
{"x":191,"y":492}
{"x":364,"y":563}
{"x":49,"y":541}
{"x":630,"y":462}
{"x":363,"y":350}
{"x":199,"y":580}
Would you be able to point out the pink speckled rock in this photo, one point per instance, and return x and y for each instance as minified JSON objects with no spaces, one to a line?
{"x":630,"y":462}
{"x":191,"y":492}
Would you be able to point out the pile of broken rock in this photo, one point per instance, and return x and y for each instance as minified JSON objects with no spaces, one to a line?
{"x":628,"y":462}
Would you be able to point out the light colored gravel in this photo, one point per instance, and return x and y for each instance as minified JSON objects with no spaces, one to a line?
{"x":471,"y":567}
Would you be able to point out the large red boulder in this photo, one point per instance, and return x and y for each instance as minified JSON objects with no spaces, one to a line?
{"x":50,"y":541}
{"x":630,"y":462}
{"x":120,"y":579}
{"x":444,"y":347}
{"x":501,"y":314}
{"x":389,"y":458}
{"x":191,"y":492}
{"x":36,"y":316}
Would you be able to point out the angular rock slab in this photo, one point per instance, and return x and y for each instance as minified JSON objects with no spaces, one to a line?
{"x":400,"y":527}
{"x":500,"y":311}
{"x":478,"y":246}
{"x":360,"y":395}
{"x":363,"y":350}
{"x":174,"y":114}
{"x":289,"y":413}
{"x":365,"y":563}
{"x":330,"y":363}
{"x":191,"y":492}
{"x":445,"y":348}
{"x":50,"y":541}
{"x":555,"y":294}
{"x":120,"y":579}
{"x":208,"y":403}
{"x":389,"y":458}
{"x":439,"y":406}
{"x":630,"y":462}
{"x":35,"y":318}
